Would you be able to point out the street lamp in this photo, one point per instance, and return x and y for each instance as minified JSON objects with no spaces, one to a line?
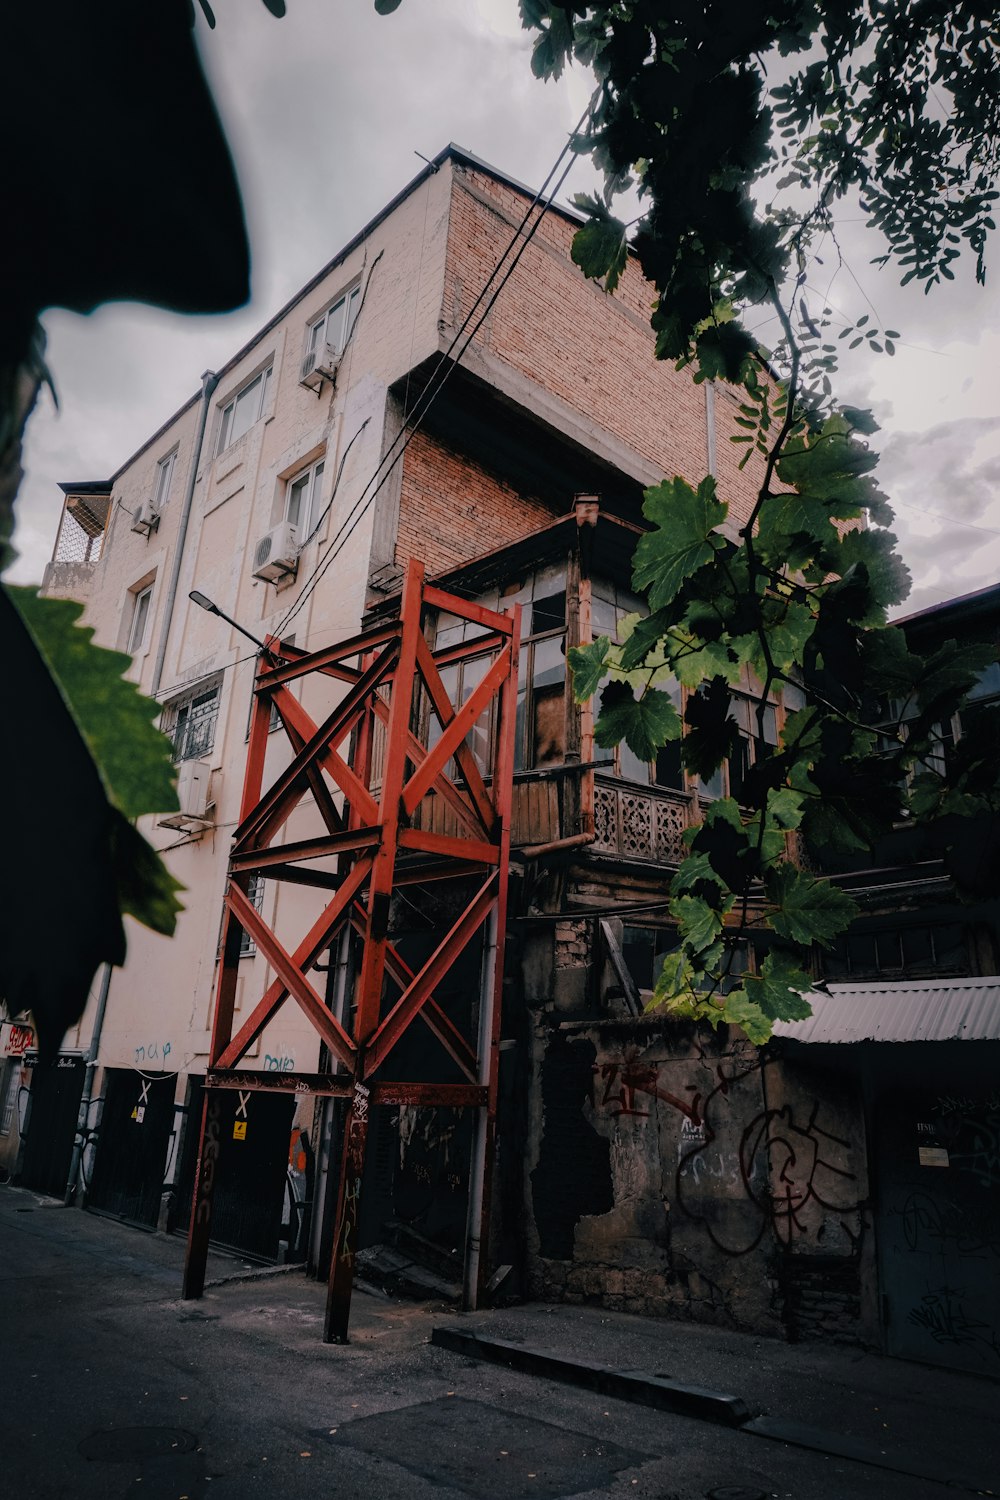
{"x":204,"y":602}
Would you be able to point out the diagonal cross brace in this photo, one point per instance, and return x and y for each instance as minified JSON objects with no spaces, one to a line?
{"x":420,"y":988}
{"x":290,"y":978}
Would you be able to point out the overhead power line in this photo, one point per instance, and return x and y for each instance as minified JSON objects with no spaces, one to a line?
{"x":515,"y":249}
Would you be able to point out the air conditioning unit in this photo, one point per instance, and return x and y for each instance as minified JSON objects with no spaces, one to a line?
{"x":319,"y":365}
{"x":193,"y":788}
{"x":145,"y":518}
{"x":276,"y":554}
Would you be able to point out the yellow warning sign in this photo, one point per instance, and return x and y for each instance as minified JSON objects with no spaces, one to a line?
{"x":239,"y":1130}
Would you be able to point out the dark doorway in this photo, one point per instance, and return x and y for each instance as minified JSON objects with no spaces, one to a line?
{"x":252,"y":1170}
{"x":132,"y":1147}
{"x":938,"y":1160}
{"x":51,"y":1130}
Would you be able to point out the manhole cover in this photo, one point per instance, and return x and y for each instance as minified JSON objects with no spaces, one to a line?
{"x":121,"y":1445}
{"x":736,"y":1492}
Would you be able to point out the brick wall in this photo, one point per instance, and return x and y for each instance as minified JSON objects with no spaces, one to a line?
{"x":593,"y":351}
{"x":452,"y":509}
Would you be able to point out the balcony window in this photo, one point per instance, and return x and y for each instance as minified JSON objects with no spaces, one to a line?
{"x":335,"y":325}
{"x":540,"y":736}
{"x":610,"y":605}
{"x":192,"y":721}
{"x":139,"y":621}
{"x":245,"y":408}
{"x":302,"y":500}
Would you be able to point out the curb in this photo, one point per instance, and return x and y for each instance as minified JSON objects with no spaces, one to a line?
{"x":695,"y":1401}
{"x":627,"y":1385}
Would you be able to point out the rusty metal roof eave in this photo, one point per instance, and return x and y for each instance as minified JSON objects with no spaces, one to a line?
{"x":920,"y":1010}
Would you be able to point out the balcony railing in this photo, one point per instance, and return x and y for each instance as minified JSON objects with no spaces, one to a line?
{"x":644,"y":823}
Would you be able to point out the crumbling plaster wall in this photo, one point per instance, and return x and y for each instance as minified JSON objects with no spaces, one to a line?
{"x":678,"y":1171}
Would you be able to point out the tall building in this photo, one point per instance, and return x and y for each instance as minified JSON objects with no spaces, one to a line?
{"x":641,"y":1165}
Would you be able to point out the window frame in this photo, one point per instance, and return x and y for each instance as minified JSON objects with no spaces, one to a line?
{"x":311,"y":476}
{"x":188,"y":745}
{"x":255,"y":895}
{"x":227,"y":412}
{"x":348,"y":303}
{"x":163,"y":478}
{"x":139,"y":596}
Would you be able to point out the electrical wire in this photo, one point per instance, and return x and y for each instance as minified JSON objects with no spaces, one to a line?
{"x":443,"y":370}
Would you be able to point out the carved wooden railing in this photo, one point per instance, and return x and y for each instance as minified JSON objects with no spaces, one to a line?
{"x":644,"y":823}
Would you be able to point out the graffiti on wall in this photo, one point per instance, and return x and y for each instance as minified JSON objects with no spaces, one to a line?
{"x":630,"y":1084}
{"x":941,"y":1313}
{"x":153,"y":1052}
{"x":781,"y":1172}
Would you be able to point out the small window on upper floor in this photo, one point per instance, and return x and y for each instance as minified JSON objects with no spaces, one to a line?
{"x":245,"y":408}
{"x":162,"y":480}
{"x":255,"y":895}
{"x":302,"y":500}
{"x":141,"y":600}
{"x":334,"y":326}
{"x":192,"y":718}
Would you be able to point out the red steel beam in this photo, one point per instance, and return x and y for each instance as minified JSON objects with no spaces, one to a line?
{"x":410,"y":1001}
{"x":376,"y":851}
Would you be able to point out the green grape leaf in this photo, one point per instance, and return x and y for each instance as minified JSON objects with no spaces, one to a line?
{"x":779,"y":990}
{"x":645,"y":724}
{"x":699,"y":923}
{"x":785,"y":806}
{"x":682,"y":541}
{"x":589,"y":666}
{"x":740,"y":1010}
{"x":600,"y":247}
{"x":132,"y":757}
{"x":807,"y":910}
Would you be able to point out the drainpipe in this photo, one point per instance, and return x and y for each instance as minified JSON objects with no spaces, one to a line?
{"x":482,"y":1135}
{"x":208,"y":383}
{"x":710,"y":425}
{"x":88,"y":1089}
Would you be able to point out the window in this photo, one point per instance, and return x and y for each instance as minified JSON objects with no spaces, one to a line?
{"x":255,"y":895}
{"x":744,"y":705}
{"x":302,"y":500}
{"x":540,"y":736}
{"x":645,"y":948}
{"x":610,"y":606}
{"x":334,"y":327}
{"x":139,"y":621}
{"x":239,"y":415}
{"x":161,"y":481}
{"x":192,"y":721}
{"x":925,"y":949}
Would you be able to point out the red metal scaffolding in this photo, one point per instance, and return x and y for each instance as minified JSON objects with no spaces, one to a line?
{"x":370,"y":773}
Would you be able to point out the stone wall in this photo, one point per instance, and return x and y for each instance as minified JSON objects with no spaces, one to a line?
{"x":678,"y":1171}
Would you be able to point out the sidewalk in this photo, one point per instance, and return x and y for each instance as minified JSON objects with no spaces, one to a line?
{"x":80,"y":1276}
{"x":931,"y":1422}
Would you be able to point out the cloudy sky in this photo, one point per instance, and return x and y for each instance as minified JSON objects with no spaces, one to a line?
{"x":325,"y":109}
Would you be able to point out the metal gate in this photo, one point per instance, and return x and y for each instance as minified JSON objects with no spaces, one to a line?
{"x":938,"y":1159}
{"x":132,"y":1147}
{"x":54,"y":1104}
{"x":254,"y":1134}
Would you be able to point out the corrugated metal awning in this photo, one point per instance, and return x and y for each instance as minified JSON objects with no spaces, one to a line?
{"x":916,"y":1010}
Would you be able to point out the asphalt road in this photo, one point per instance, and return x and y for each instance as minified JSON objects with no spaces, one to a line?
{"x":113,"y":1387}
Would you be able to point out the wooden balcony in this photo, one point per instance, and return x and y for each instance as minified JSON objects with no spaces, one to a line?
{"x":636,"y":822}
